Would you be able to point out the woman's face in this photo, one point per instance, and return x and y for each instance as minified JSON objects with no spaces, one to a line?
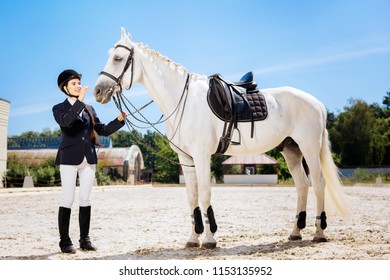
{"x":73,"y":87}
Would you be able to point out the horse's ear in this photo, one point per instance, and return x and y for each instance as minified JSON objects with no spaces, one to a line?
{"x":123,"y":32}
{"x":124,"y":35}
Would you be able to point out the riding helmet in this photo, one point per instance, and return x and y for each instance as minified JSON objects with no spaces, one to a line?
{"x":66,"y":76}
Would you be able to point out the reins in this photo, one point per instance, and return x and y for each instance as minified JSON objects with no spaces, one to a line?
{"x":122,"y":99}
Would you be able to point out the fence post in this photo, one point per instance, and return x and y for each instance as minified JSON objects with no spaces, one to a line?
{"x":378,"y":181}
{"x":28,"y":182}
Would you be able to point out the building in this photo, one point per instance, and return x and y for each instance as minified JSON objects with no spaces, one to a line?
{"x":247,"y":170}
{"x":250,"y":170}
{"x":4,"y":112}
{"x":126,"y":163}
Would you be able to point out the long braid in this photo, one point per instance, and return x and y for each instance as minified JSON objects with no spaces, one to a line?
{"x":93,"y":134}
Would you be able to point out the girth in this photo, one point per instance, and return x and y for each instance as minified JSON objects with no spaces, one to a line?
{"x":233,"y":103}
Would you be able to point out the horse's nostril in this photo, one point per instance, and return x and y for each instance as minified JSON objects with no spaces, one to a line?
{"x":97,"y":91}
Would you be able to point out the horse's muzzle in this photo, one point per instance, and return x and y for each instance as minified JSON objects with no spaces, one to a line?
{"x":101,"y":96}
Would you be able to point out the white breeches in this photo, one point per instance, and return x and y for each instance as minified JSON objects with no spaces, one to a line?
{"x":86,"y":173}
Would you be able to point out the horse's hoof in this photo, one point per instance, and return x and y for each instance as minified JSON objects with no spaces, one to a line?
{"x":192,"y":245}
{"x":320,"y":239}
{"x":209,"y":245}
{"x":294,"y":237}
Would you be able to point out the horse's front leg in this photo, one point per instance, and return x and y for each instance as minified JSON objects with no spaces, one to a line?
{"x":203,"y":175}
{"x":192,"y":197}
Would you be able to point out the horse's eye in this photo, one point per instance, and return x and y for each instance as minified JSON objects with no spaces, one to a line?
{"x":117,"y":58}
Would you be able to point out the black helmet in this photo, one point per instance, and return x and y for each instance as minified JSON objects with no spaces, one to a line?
{"x":66,"y":76}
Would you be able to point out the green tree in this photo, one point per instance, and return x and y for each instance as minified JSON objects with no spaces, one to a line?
{"x":16,"y":171}
{"x":46,"y":174}
{"x":216,"y":167}
{"x":386,"y":101}
{"x":283,"y":172}
{"x":355,"y":136}
{"x":123,"y":138}
{"x":149,"y":148}
{"x":166,"y":164}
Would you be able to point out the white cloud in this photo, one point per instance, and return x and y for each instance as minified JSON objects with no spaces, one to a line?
{"x":314,"y":61}
{"x":29,"y":110}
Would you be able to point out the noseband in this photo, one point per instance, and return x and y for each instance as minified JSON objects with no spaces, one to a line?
{"x":118,"y":81}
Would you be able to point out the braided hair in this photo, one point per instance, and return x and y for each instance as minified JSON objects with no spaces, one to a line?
{"x":93,"y":134}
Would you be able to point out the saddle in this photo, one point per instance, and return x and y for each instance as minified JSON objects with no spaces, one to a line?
{"x":235,"y":102}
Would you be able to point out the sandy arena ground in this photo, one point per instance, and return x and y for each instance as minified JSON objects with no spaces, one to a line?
{"x":153,"y":223}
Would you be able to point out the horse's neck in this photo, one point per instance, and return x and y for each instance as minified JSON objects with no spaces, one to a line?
{"x":162,"y":78}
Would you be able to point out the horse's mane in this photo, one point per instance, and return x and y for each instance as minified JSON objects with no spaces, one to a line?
{"x":169,"y":62}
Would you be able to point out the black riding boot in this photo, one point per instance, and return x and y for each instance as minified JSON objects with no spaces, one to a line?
{"x":84,"y":221}
{"x":63,"y":226}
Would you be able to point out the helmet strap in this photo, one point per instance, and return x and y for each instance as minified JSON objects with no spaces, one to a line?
{"x":68,"y":94}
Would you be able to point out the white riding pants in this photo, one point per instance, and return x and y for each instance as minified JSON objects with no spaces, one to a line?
{"x":69,"y":173}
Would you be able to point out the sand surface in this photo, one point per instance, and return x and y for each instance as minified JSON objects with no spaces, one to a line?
{"x":153,"y":223}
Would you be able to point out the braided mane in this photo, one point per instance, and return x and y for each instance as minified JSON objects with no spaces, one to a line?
{"x":169,"y":62}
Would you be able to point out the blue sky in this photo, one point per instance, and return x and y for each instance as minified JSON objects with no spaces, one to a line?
{"x":335,"y":50}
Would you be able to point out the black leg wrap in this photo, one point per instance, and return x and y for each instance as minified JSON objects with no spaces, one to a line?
{"x":199,"y":228}
{"x":210,"y":215}
{"x":323,"y":220}
{"x":301,"y":222}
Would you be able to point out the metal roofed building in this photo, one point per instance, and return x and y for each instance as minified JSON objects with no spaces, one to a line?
{"x":127,"y":162}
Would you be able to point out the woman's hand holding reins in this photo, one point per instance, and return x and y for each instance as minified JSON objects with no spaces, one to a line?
{"x":122,"y":116}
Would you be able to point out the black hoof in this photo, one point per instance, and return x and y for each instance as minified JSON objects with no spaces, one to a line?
{"x":319,"y":239}
{"x":209,"y":245}
{"x":294,"y":237}
{"x":192,"y":245}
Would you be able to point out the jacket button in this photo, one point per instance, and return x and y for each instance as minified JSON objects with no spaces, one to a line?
{"x":82,"y":138}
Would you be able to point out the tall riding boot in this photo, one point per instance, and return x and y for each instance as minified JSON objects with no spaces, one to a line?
{"x":84,"y":221}
{"x":63,"y":226}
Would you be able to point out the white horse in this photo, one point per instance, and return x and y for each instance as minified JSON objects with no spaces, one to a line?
{"x":194,"y":133}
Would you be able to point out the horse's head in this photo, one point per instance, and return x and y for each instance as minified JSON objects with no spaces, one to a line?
{"x":118,"y":71}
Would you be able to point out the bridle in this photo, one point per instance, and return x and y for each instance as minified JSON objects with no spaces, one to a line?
{"x":118,"y":80}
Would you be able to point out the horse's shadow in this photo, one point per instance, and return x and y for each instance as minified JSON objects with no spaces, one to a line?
{"x":221,"y":253}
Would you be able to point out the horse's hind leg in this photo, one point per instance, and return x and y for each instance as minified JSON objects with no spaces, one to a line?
{"x":319,"y":190}
{"x":294,"y":159}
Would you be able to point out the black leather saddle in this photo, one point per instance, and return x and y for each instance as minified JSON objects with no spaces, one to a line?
{"x":235,"y":102}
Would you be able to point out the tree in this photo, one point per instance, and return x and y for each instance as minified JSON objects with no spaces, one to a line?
{"x":149,"y":148}
{"x":386,"y":100}
{"x":216,"y":166}
{"x":283,"y":172}
{"x":124,"y":138}
{"x":355,"y":136}
{"x":166,"y":163}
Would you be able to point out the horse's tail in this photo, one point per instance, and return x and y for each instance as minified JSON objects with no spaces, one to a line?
{"x":333,"y":186}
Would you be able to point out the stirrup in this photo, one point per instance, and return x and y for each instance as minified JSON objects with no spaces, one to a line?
{"x":239,"y":137}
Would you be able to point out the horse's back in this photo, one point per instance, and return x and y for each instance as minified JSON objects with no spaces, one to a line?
{"x":295,"y":100}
